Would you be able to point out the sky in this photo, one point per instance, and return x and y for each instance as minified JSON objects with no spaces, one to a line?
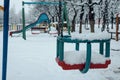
{"x":17,"y":4}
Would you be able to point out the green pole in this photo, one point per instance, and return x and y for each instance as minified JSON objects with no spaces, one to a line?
{"x":61,"y":50}
{"x":101,"y":49}
{"x":66,"y":15}
{"x":58,"y":50}
{"x":77,"y":46}
{"x":88,"y":58}
{"x":107,"y":52}
{"x":23,"y":20}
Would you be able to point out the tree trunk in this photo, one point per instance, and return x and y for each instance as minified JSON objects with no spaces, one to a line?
{"x":81,"y":18}
{"x":103,"y":24}
{"x":92,"y":23}
{"x":73,"y":22}
{"x":74,"y":17}
{"x":80,"y":28}
{"x":73,"y":25}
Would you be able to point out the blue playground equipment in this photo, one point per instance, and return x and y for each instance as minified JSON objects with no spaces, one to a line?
{"x":43,"y":17}
{"x":5,"y":38}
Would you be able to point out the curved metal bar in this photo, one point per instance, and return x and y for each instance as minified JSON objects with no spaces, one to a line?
{"x":88,"y":58}
{"x":44,"y":3}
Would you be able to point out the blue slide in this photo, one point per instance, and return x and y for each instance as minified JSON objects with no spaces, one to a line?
{"x":42,"y":18}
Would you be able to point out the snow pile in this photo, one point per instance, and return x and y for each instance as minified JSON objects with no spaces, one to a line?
{"x":52,"y":30}
{"x":119,"y":15}
{"x":79,"y":57}
{"x":91,"y":36}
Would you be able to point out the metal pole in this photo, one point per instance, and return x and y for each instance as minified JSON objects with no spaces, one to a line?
{"x":23,"y":20}
{"x":43,"y":3}
{"x":5,"y":39}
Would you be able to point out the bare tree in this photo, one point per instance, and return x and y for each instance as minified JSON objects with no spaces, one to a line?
{"x":81,"y":17}
{"x":91,"y":13}
{"x":74,"y":17}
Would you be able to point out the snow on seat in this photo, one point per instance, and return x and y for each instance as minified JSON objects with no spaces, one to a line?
{"x":77,"y":59}
{"x":91,"y":36}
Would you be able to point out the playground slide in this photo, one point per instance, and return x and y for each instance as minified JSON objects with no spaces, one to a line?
{"x":41,"y":18}
{"x":31,"y":25}
{"x":20,"y":31}
{"x":27,"y":27}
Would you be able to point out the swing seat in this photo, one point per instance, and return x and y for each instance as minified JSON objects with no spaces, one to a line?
{"x":86,"y":59}
{"x":77,"y":60}
{"x":81,"y":66}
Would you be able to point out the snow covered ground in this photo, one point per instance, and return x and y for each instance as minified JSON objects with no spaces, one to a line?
{"x":34,"y":59}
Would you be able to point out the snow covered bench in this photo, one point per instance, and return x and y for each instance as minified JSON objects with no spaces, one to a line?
{"x":85,"y":59}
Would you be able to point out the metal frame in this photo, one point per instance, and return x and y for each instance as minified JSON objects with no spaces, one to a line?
{"x":41,"y":3}
{"x":61,"y":12}
{"x":5,"y":39}
{"x":67,"y":39}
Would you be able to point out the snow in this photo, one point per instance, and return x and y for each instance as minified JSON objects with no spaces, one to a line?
{"x":34,"y":59}
{"x":91,"y":36}
{"x":119,"y":15}
{"x":53,"y":30}
{"x":79,"y":57}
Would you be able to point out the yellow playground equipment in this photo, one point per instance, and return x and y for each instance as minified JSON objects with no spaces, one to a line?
{"x":1,"y":8}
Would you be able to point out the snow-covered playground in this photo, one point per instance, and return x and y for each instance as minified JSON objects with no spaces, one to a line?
{"x":34,"y":59}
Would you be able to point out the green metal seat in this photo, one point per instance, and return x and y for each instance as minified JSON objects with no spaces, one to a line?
{"x":83,"y":67}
